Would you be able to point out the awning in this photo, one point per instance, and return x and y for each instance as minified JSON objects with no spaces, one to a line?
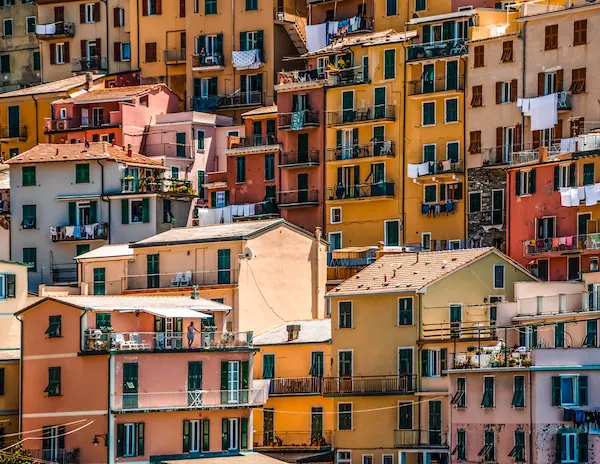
{"x":90,"y":196}
{"x":176,"y":312}
{"x":442,"y":17}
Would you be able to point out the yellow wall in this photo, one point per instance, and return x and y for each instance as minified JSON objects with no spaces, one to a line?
{"x":35,"y":126}
{"x":9,"y":402}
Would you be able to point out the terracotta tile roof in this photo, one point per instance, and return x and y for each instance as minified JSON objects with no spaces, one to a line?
{"x":313,"y":331}
{"x":114,"y":93}
{"x":408,"y":272}
{"x":54,"y":152}
{"x":62,"y":85}
{"x":262,"y":110}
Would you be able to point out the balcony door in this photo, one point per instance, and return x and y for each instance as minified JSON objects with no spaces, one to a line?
{"x":316,"y":426}
{"x":14,"y":120}
{"x":97,"y":116}
{"x":251,"y":89}
{"x":302,"y":148}
{"x":173,"y":332}
{"x":378,"y":140}
{"x":53,"y":442}
{"x":435,"y":422}
{"x":451,"y":75}
{"x":233,"y":428}
{"x":428,"y":78}
{"x":497,"y":207}
{"x":348,"y":106}
{"x":345,"y":370}
{"x":405,"y":366}
{"x":302,"y":188}
{"x":379,"y":102}
{"x":233,"y":382}
{"x":130,"y":385}
{"x":92,"y":50}
{"x":268,"y":426}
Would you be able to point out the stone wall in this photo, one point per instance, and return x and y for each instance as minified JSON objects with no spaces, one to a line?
{"x":481,"y":232}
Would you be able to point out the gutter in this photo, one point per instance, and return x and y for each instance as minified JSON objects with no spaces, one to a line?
{"x":403,"y":177}
{"x":105,"y":198}
{"x":36,"y":119}
{"x":20,"y":379}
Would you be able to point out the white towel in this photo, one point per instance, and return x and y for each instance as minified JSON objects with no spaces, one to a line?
{"x":590,"y":195}
{"x":252,"y":208}
{"x":247,"y":59}
{"x":246,"y":210}
{"x":565,"y":197}
{"x":574,"y":197}
{"x":544,"y":112}
{"x":69,"y":230}
{"x":581,"y":193}
{"x":412,"y":171}
{"x":316,"y":37}
{"x":567,"y":145}
{"x":597,"y":191}
{"x":423,"y":168}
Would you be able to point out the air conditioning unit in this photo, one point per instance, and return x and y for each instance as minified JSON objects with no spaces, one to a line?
{"x":61,"y":124}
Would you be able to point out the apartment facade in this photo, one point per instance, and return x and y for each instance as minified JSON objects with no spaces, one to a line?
{"x":4,"y":213}
{"x":91,"y":196}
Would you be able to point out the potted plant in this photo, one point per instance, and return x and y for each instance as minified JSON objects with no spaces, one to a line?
{"x":526,"y":363}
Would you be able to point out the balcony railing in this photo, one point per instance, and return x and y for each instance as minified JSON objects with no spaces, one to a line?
{"x":13,"y":132}
{"x":295,"y":386}
{"x":59,"y":456}
{"x":64,"y":273}
{"x":93,"y":63}
{"x":174,"y":55}
{"x":207,"y":61}
{"x":533,"y":154}
{"x":299,"y":120}
{"x":299,"y":158}
{"x":292,"y":198}
{"x":345,"y":192}
{"x":278,"y":439}
{"x":212,"y":102}
{"x":496,"y":156}
{"x":444,"y":167}
{"x":95,"y":231}
{"x":561,"y":244}
{"x":373,"y":385}
{"x":151,"y":185}
{"x":4,"y":207}
{"x":301,"y":76}
{"x":489,"y":358}
{"x":55,"y":30}
{"x":445,"y":48}
{"x":475,"y":329}
{"x":371,"y":150}
{"x":95,"y":340}
{"x":348,"y":76}
{"x":354,"y":115}
{"x":420,"y":438}
{"x":252,"y":141}
{"x":59,"y":125}
{"x":182,"y":279}
{"x":441,"y":84}
{"x":196,"y":399}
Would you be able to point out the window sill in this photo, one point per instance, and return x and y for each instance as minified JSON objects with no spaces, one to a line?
{"x":429,"y":125}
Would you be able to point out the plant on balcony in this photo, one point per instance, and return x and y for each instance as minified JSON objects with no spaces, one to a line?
{"x":128,"y":178}
{"x":526,"y":363}
{"x":277,"y":441}
{"x":16,"y":455}
{"x":317,"y":440}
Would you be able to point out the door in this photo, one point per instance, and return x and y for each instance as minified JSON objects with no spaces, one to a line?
{"x":302,"y":188}
{"x":455,"y":320}
{"x":268,"y":427}
{"x":130,"y":385}
{"x":405,"y":366}
{"x":428,"y":78}
{"x":573,"y":268}
{"x":347,"y":143}
{"x":233,"y":382}
{"x":435,"y":422}
{"x":14,"y":120}
{"x":97,"y":117}
{"x":497,"y":207}
{"x":85,"y":118}
{"x":153,"y":277}
{"x":345,"y":370}
{"x":543,"y":269}
{"x":234,"y":434}
{"x":316,"y":427}
{"x":452,"y":75}
{"x":302,"y":148}
{"x":194,"y":383}
{"x":317,"y":364}
{"x":378,"y":140}
{"x":379,"y":106}
{"x":195,"y":436}
{"x":582,"y":222}
{"x":348,"y":106}
{"x":508,"y":143}
{"x":180,"y":140}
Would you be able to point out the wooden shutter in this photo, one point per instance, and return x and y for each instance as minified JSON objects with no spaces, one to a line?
{"x":558,"y":131}
{"x":206,"y":435}
{"x":116,"y":17}
{"x":244,"y":433}
{"x":59,"y":14}
{"x":67,"y":52}
{"x":582,"y":446}
{"x":583,"y":390}
{"x":224,"y":378}
{"x":72,"y":213}
{"x":182,"y":8}
{"x":83,"y":45}
{"x":556,"y":177}
{"x":518,"y":183}
{"x":53,"y":53}
{"x":243,"y":42}
{"x":140,"y":439}
{"x":11,"y":282}
{"x":424,"y":363}
{"x":82,"y":13}
{"x":98,"y":47}
{"x":144,"y":7}
{"x":541,"y":79}
{"x":513,"y":90}
{"x":224,"y":434}
{"x":499,"y":138}
{"x":518,"y":137}
{"x":158,"y":7}
{"x":536,"y":138}
{"x":444,"y":351}
{"x":559,"y":80}
{"x":532,"y":181}
{"x":146,"y":209}
{"x":97,"y":12}
{"x":120,"y":439}
{"x":186,"y":436}
{"x":117,"y":51}
{"x":498,"y":93}
{"x":124,"y":211}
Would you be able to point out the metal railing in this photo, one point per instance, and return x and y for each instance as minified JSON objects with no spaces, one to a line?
{"x":422,"y":51}
{"x":13,"y":132}
{"x":440,"y":84}
{"x":301,"y":76}
{"x":347,"y":76}
{"x":174,"y":54}
{"x":182,"y":279}
{"x":488,"y":358}
{"x":76,"y":123}
{"x":371,"y":150}
{"x":205,"y":61}
{"x":533,"y":154}
{"x":560,"y":244}
{"x":463,"y":329}
{"x":564,"y":100}
{"x":148,"y":185}
{"x":95,"y":231}
{"x":354,"y":115}
{"x":295,"y":158}
{"x":63,"y":273}
{"x":59,"y":456}
{"x":309,"y":118}
{"x":212,"y":102}
{"x":298,"y":197}
{"x":496,"y":156}
{"x":364,"y":385}
{"x":420,"y":438}
{"x":57,"y":29}
{"x":251,"y":141}
{"x":93,"y":63}
{"x":95,"y":340}
{"x":295,"y":386}
{"x":194,"y":399}
{"x":278,"y":439}
{"x":444,"y":167}
{"x":344,"y":192}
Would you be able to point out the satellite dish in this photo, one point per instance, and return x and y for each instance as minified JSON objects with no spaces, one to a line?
{"x":248,"y":253}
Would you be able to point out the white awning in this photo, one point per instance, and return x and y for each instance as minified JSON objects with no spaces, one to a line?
{"x":176,"y":312}
{"x":442,"y":17}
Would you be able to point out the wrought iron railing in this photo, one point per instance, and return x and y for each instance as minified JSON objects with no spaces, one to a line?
{"x":354,"y":115}
{"x":298,"y":197}
{"x":440,"y":84}
{"x":295,"y":158}
{"x":420,"y":438}
{"x":95,"y":231}
{"x":93,"y":63}
{"x":403,"y":383}
{"x":57,"y":29}
{"x":295,"y":386}
{"x":344,"y":192}
{"x":174,"y":54}
{"x":374,"y":149}
{"x":205,"y":61}
{"x":308,"y":118}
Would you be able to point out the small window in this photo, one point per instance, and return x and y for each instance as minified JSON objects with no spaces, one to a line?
{"x":551,"y":37}
{"x":498,"y":276}
{"x":36,"y":61}
{"x":126,"y":56}
{"x":570,"y":390}
{"x":405,"y":311}
{"x":344,"y":416}
{"x":451,"y":110}
{"x":391,"y":7}
{"x":525,"y":182}
{"x":474,"y":202}
{"x":479,"y":56}
{"x":475,"y":142}
{"x":103,"y":321}
{"x":477,"y":96}
{"x":426,"y":241}
{"x":389,"y":64}
{"x":89,"y":13}
{"x":420,"y":5}
{"x":137,"y":209}
{"x":200,"y":138}
{"x":428,"y":114}
{"x":518,"y":400}
{"x":29,"y":217}
{"x":580,"y":32}
{"x":54,"y":329}
{"x":268,"y":366}
{"x":8,"y":27}
{"x":210,"y":7}
{"x":518,"y":451}
{"x":487,"y":401}
{"x":82,"y":173}
{"x":460,"y":450}
{"x":240,"y":163}
{"x":335,"y":215}
{"x":28,"y":176}
{"x":507,"y":51}
{"x":431,"y":360}
{"x":4,"y":64}
{"x":344,"y":457}
{"x":30,"y":23}
{"x":251,"y":5}
{"x":367,"y":459}
{"x":53,"y":388}
{"x":30,"y":259}
{"x":430,"y":194}
{"x":59,"y":54}
{"x":504,"y":92}
{"x":460,"y":397}
{"x":345,"y":309}
{"x":269,"y":167}
{"x":578,"y":81}
{"x":150,"y":52}
{"x":130,"y":439}
{"x":488,"y":452}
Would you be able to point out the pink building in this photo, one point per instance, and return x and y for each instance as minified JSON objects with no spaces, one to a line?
{"x":92,"y":362}
{"x":118,"y":113}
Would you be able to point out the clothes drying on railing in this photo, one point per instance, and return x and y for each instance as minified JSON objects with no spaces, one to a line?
{"x":582,"y":416}
{"x":248,"y":59}
{"x":543,"y":111}
{"x":574,"y":195}
{"x":436,"y":210}
{"x":297,"y":120}
{"x":88,"y":231}
{"x":316,"y":37}
{"x":45,"y":29}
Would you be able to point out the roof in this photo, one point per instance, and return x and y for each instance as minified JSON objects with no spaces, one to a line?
{"x":15,"y":263}
{"x":107,"y":251}
{"x":243,"y":458}
{"x":114,"y":94}
{"x":214,"y":233}
{"x":62,"y":85}
{"x":365,"y":40}
{"x":314,"y":331}
{"x":411,"y":272}
{"x":9,"y":354}
{"x":54,"y":152}
{"x":4,"y":176}
{"x":260,"y":111}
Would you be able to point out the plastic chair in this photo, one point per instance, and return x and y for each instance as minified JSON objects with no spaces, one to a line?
{"x":176,"y":281}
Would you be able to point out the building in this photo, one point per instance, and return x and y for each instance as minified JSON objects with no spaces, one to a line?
{"x":99,"y":345}
{"x":295,"y":357}
{"x":68,"y":198}
{"x":421,"y":298}
{"x":118,"y":115}
{"x":77,"y":37}
{"x":20,"y":64}
{"x":4,"y":212}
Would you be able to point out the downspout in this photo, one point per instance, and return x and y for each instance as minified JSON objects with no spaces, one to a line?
{"x":465,"y":187}
{"x":324,"y":170}
{"x":108,"y":41}
{"x":419,"y":351}
{"x":104,"y":198}
{"x":110,"y":428}
{"x":35,"y":102}
{"x":137,"y":15}
{"x":530,"y":418}
{"x":404,"y":99}
{"x":21,"y":379}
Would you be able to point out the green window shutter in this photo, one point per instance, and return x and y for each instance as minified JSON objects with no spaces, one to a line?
{"x":518,"y":183}
{"x":260,"y":42}
{"x":338,"y":139}
{"x":244,"y":431}
{"x":572,"y":175}
{"x":28,"y":176}
{"x":583,"y":390}
{"x":443,"y":361}
{"x":390,"y":64}
{"x":245,"y":382}
{"x":268,"y":366}
{"x":10,"y":289}
{"x":82,"y":173}
{"x":582,"y":447}
{"x":588,"y":174}
{"x":72,"y":213}
{"x":425,"y":363}
{"x":220,"y":46}
{"x":120,"y":439}
{"x":532,"y":181}
{"x":559,"y":449}
{"x":200,"y":140}
{"x":556,"y":177}
{"x":555,"y":391}
{"x":30,"y":258}
{"x":225,"y":434}
{"x":93,"y":212}
{"x":243,"y":42}
{"x":124,"y":211}
{"x":559,"y":335}
{"x":146,"y":209}
{"x":213,"y":199}
{"x":186,"y":436}
{"x":224,"y":378}
{"x":140,"y":439}
{"x":392,"y":233}
{"x":206,"y":435}
{"x":355,"y":136}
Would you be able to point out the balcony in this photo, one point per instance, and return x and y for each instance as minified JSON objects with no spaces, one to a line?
{"x":433,"y":50}
{"x":295,"y":386}
{"x":298,"y":198}
{"x":93,"y":63}
{"x":251,"y":141}
{"x":564,"y":101}
{"x":184,"y":279}
{"x":55,"y":30}
{"x":276,"y":440}
{"x":496,"y":156}
{"x":370,"y":385}
{"x":420,"y":439}
{"x":13,"y":132}
{"x":560,"y":245}
{"x":131,"y":184}
{"x":208,"y":62}
{"x":248,"y":59}
{"x":301,"y":78}
{"x":96,"y":341}
{"x":439,"y":209}
{"x":440,"y":168}
{"x":296,"y":159}
{"x":385,"y":148}
{"x":358,"y":115}
{"x":69,"y":124}
{"x":95,"y":231}
{"x":360,"y":191}
{"x":299,"y":120}
{"x":59,"y":456}
{"x":472,"y":329}
{"x":182,"y":400}
{"x":491,"y":358}
{"x":174,"y":56}
{"x":64,"y":273}
{"x":346,"y":262}
{"x":442,"y":84}
{"x":347,"y":76}
{"x":210,"y":104}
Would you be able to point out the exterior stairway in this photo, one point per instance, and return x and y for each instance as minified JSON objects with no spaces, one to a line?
{"x":295,"y":26}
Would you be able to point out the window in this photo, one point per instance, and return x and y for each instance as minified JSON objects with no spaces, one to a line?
{"x":487,"y":401}
{"x":477,"y":97}
{"x":392,"y":228}
{"x":488,"y":451}
{"x":5,"y":64}
{"x":405,"y":311}
{"x":344,"y":457}
{"x":430,"y":193}
{"x":460,"y":450}
{"x":551,"y":37}
{"x":210,"y":7}
{"x":580,"y":32}
{"x":559,"y":335}
{"x":367,"y":459}
{"x":345,"y":416}
{"x":150,"y":52}
{"x":268,"y":366}
{"x":474,"y":202}
{"x":578,"y":80}
{"x":53,"y":388}
{"x":498,"y":276}
{"x":119,"y":17}
{"x":528,"y":336}
{"x":426,"y":241}
{"x":7,"y":286}
{"x":30,"y":24}
{"x":518,"y":451}
{"x":126,"y":56}
{"x":28,"y":176}
{"x":525,"y":182}
{"x":507,"y":51}
{"x":454,"y":244}
{"x":36,"y":61}
{"x":429,"y":152}
{"x":405,"y":416}
{"x":428,"y":114}
{"x":89,"y":12}
{"x":270,"y":167}
{"x":390,"y":64}
{"x":564,"y":176}
{"x":504,"y":92}
{"x":569,"y":390}
{"x":475,"y":143}
{"x":8,"y":27}
{"x":431,"y":362}
{"x":420,"y":5}
{"x":200,"y":138}
{"x":240,"y":165}
{"x":82,"y":173}
{"x":460,"y":397}
{"x":103,"y":321}
{"x":591,"y":336}
{"x":54,"y":329}
{"x":130,"y":439}
{"x":571,"y":447}
{"x":345,"y":309}
{"x":451,"y":112}
{"x":479,"y":56}
{"x":29,"y":217}
{"x":59,"y":53}
{"x":30,"y":259}
{"x":317,"y":368}
{"x":137,"y":211}
{"x":174,"y":172}
{"x":251,"y":5}
{"x":518,"y":400}
{"x":387,"y":459}
{"x":391,"y":7}
{"x":224,"y":266}
{"x":335,"y":215}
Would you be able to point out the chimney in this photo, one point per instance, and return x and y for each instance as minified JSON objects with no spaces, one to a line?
{"x":89,"y":80}
{"x":293,"y":330}
{"x":129,"y":150}
{"x":543,"y":154}
{"x":318,"y":234}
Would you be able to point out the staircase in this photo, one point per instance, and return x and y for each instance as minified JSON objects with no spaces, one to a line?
{"x":295,"y":26}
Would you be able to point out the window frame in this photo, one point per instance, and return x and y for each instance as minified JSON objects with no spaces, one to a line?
{"x":472,"y":211}
{"x":435,"y":187}
{"x":385,"y":67}
{"x":340,"y":417}
{"x":493,"y":392}
{"x":423,"y":236}
{"x":12,"y":27}
{"x":503,"y":267}
{"x":423,"y":104}
{"x":90,"y":17}
{"x":412,"y":311}
{"x":351,"y":318}
{"x":515,"y":391}
{"x":385,"y":230}
{"x":446,"y":120}
{"x":331,"y":214}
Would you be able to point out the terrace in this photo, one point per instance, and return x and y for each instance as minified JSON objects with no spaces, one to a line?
{"x":208,"y":62}
{"x":412,"y":438}
{"x":292,"y":159}
{"x":559,"y":245}
{"x":238,"y":98}
{"x":187,"y":279}
{"x":369,"y":385}
{"x":346,"y":262}
{"x":384,"y":148}
{"x":295,"y":386}
{"x":356,"y":115}
{"x":437,"y":49}
{"x":93,"y":63}
{"x":441,"y":84}
{"x":93,"y":231}
{"x":492,"y":357}
{"x":174,"y":55}
{"x":55,"y":30}
{"x":298,"y":198}
{"x":278,"y":440}
{"x":304,"y":119}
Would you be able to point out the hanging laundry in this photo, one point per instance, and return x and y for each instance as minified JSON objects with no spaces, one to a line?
{"x":423,"y":168}
{"x":574,"y":197}
{"x":412,"y":171}
{"x":316,"y":37}
{"x":581,"y":193}
{"x":248,"y":59}
{"x":446,"y":165}
{"x":590,"y":195}
{"x":565,"y":197}
{"x":297,"y":120}
{"x":544,"y":112}
{"x":568,"y":145}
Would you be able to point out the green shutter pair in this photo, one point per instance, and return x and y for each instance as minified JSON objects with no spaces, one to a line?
{"x":268,"y":366}
{"x":82,"y":173}
{"x":389,"y":64}
{"x":488,"y":393}
{"x":226,"y":439}
{"x":518,"y":400}
{"x":251,"y":5}
{"x":125,"y":211}
{"x":28,"y":176}
{"x":53,"y":388}
{"x":139,"y":437}
{"x":210,"y":7}
{"x":200,"y":136}
{"x":30,"y":259}
{"x":205,"y":443}
{"x":405,"y":310}
{"x":99,"y":282}
{"x":29,"y":216}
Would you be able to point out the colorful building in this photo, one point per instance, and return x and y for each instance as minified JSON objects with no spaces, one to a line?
{"x":297,"y":422}
{"x":4,"y":212}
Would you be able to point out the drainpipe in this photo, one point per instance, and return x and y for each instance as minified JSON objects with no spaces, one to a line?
{"x":465,"y":188}
{"x":530,"y":417}
{"x":323,"y":150}
{"x":21,"y":379}
{"x":104,"y":198}
{"x":35,"y":102}
{"x":137,"y":14}
{"x":404,"y":146}
{"x":419,"y":364}
{"x":107,"y":41}
{"x":110,"y":432}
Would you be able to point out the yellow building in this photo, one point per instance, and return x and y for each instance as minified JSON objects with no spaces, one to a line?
{"x":392,"y":337}
{"x":296,"y":419}
{"x":363,"y":141}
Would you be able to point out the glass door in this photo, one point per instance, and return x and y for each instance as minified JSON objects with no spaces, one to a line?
{"x":130,"y":385}
{"x":452,"y":75}
{"x":379,"y":107}
{"x":195,"y":436}
{"x":316,"y":427}
{"x":234,"y":434}
{"x":268,"y":427}
{"x":233,"y":382}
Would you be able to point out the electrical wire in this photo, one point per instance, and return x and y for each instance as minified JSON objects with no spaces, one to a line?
{"x":41,"y":430}
{"x":262,"y":294}
{"x":53,"y":436}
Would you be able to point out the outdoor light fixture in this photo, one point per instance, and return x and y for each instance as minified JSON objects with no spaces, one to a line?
{"x":96,"y":442}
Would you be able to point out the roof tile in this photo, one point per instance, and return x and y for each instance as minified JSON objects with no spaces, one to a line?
{"x":62,"y":85}
{"x":113,"y":93}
